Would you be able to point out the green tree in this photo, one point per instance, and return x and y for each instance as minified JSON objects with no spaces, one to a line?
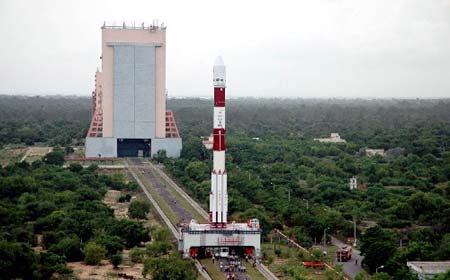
{"x":381,"y":276}
{"x":139,"y":209}
{"x":377,"y":246}
{"x":94,"y":253}
{"x":171,"y":268}
{"x":116,"y":259}
{"x":131,"y":231}
{"x":55,"y":157}
{"x":112,"y":244}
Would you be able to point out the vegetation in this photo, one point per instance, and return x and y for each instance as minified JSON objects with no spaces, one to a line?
{"x":94,"y":253}
{"x":51,"y":120}
{"x":276,"y":170}
{"x":64,"y":207}
{"x":139,"y":209}
{"x":169,"y":268}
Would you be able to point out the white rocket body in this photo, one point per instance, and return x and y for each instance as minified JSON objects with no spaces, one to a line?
{"x":218,"y":199}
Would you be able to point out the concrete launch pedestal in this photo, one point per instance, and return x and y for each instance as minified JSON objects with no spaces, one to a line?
{"x":199,"y":240}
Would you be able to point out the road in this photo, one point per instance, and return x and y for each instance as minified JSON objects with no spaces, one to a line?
{"x":170,"y":199}
{"x":176,"y":206}
{"x":166,"y":220}
{"x":349,"y":268}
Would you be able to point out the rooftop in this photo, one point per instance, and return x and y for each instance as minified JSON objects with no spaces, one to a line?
{"x":155,"y":25}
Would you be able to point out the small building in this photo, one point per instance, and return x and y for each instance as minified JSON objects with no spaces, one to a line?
{"x":353,"y":183}
{"x":208,"y":142}
{"x":374,"y":152}
{"x":334,"y":138}
{"x":428,"y":270}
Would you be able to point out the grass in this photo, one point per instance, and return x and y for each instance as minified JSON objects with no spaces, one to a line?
{"x":253,"y":272}
{"x":186,"y":205}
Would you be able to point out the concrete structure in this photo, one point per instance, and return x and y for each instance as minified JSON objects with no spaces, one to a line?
{"x":129,"y":101}
{"x":219,"y":237}
{"x":374,"y":152}
{"x":353,"y":183}
{"x":334,"y":138}
{"x":427,"y":270}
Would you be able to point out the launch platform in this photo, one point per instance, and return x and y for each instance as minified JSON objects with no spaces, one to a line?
{"x":204,"y":240}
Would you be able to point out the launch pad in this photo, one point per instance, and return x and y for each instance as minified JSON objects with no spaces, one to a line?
{"x":200,"y":240}
{"x":219,"y":238}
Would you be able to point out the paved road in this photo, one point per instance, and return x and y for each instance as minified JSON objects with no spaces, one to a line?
{"x":170,"y":199}
{"x":349,"y":268}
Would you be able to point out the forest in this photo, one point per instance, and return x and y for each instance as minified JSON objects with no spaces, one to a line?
{"x":279,"y":174}
{"x":50,"y":216}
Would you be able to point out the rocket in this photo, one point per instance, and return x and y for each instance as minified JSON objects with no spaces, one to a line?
{"x":218,"y":198}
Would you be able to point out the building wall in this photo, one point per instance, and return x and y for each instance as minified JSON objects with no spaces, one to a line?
{"x":171,"y":145}
{"x":209,"y":239}
{"x":112,"y":37}
{"x":134,"y":91}
{"x":101,"y":147}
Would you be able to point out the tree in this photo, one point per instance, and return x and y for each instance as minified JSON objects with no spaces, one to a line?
{"x":69,"y":247}
{"x":377,"y":246}
{"x":158,"y":248}
{"x":55,"y":157}
{"x":381,"y":276}
{"x":116,"y":259}
{"x":139,"y":209}
{"x":94,"y":253}
{"x":137,"y":255}
{"x":112,"y":244}
{"x":17,"y":260}
{"x":161,"y":156}
{"x":50,"y":263}
{"x":131,"y":231}
{"x":171,"y":268}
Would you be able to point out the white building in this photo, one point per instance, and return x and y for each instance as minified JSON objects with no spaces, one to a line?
{"x":334,"y":138}
{"x":427,"y":270}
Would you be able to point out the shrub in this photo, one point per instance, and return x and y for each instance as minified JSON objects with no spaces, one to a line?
{"x":116,"y":259}
{"x":94,"y":253}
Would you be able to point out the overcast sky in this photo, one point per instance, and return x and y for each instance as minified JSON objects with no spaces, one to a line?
{"x":315,"y":48}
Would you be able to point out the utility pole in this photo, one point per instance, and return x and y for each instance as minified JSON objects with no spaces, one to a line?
{"x":307,"y":203}
{"x":354,"y":232}
{"x":289,"y":195}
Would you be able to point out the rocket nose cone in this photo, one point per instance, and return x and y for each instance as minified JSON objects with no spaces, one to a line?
{"x":219,"y":61}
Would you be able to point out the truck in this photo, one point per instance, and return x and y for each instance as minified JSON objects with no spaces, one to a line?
{"x":344,"y":254}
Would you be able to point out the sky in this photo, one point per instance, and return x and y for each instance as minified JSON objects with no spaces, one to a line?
{"x":304,"y":49}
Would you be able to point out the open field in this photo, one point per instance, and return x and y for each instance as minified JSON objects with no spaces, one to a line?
{"x":10,"y":155}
